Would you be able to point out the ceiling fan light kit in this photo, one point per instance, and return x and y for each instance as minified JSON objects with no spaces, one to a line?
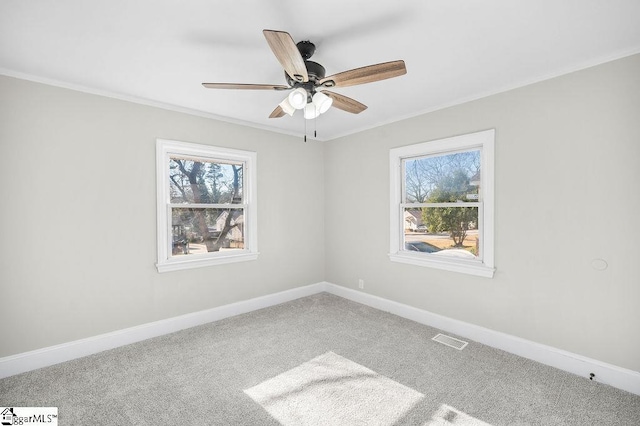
{"x":322,"y":102}
{"x":307,"y":79}
{"x":298,"y":98}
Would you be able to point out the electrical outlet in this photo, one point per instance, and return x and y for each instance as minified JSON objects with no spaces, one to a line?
{"x":361,"y":283}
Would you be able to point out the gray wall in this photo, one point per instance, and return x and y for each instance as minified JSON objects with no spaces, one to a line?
{"x":77,"y":226}
{"x":567,"y":192}
{"x":78,"y":217}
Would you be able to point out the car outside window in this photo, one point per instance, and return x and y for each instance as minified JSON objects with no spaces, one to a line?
{"x":442,"y":204}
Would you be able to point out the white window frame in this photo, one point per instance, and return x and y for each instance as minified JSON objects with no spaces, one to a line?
{"x":167,"y":148}
{"x":481,"y":140}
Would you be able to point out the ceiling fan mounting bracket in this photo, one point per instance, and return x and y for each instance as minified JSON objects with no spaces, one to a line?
{"x":306,"y":49}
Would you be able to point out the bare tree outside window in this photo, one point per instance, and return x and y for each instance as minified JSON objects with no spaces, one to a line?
{"x":213,"y":212}
{"x":437,"y":187}
{"x":206,"y":205}
{"x":441,"y":212}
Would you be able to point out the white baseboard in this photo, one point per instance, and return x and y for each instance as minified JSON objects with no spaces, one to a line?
{"x":612,"y":375}
{"x":27,"y":361}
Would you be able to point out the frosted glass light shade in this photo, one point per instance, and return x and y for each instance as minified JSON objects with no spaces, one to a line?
{"x":287,"y":107}
{"x":322,"y":102}
{"x":310,"y":111}
{"x":298,"y":98}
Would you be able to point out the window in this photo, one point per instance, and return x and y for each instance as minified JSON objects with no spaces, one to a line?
{"x":442,"y":204}
{"x":206,"y":205}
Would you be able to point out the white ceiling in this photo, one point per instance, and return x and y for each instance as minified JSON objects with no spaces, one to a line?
{"x":159,"y":52}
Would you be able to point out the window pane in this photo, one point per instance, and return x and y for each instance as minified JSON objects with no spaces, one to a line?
{"x":201,"y":181}
{"x":198,"y":231}
{"x":442,"y":178}
{"x":442,"y":231}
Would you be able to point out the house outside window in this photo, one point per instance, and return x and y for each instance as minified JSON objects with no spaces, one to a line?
{"x":442,"y":204}
{"x":205,"y":205}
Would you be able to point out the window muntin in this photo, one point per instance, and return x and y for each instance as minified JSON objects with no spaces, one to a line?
{"x":206,"y":205}
{"x":442,"y":204}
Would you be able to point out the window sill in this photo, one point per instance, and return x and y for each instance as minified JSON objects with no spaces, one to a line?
{"x":180,"y":264}
{"x":471,"y":267}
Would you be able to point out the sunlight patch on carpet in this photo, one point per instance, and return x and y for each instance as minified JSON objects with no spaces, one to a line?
{"x":447,"y":415}
{"x":332,"y":390}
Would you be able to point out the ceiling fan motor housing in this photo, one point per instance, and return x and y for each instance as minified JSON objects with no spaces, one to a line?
{"x":316,"y":73}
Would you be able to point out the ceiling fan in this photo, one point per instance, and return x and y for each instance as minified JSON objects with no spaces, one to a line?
{"x":307,"y":82}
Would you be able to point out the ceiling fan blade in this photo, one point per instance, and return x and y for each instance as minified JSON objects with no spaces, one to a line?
{"x":277,"y":113}
{"x":345,"y":103}
{"x":366,"y":74}
{"x":245,"y":86}
{"x":287,"y":53}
